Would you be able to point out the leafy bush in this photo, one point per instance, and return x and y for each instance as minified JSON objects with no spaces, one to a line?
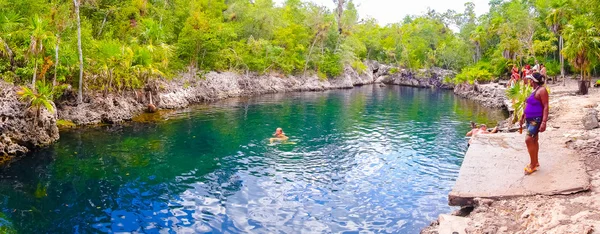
{"x":518,"y":93}
{"x":447,"y":80}
{"x":9,"y":77}
{"x":552,"y":68}
{"x":359,"y":66}
{"x":331,"y":65}
{"x":472,"y":74}
{"x":394,"y":70}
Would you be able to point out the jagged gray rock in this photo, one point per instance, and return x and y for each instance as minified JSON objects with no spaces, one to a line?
{"x":490,"y":95}
{"x":424,"y":78}
{"x":590,"y":119}
{"x":20,"y":129}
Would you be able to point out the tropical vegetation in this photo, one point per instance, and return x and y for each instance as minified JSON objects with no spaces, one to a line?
{"x":115,"y":46}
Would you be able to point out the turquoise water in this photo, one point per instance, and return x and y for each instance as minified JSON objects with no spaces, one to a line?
{"x":372,"y":158}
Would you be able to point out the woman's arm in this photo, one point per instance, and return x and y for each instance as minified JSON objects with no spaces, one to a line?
{"x":545,"y":99}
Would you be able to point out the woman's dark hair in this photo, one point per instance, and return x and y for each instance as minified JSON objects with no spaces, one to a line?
{"x":539,"y":77}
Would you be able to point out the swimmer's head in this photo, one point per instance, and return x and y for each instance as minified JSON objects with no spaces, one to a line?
{"x":279,"y":131}
{"x":483,"y":127}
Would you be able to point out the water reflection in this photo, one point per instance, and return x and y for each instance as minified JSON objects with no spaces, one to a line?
{"x":366,"y":159}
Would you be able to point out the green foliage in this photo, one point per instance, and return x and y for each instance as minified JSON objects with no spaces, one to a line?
{"x":331,"y":65}
{"x":394,"y":70}
{"x":38,"y":98}
{"x":359,"y":66}
{"x":518,"y":93}
{"x":479,"y":73}
{"x":582,"y":45}
{"x":552,"y":68}
{"x":128,"y":43}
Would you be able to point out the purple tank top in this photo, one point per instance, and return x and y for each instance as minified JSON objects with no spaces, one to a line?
{"x":533,"y":107}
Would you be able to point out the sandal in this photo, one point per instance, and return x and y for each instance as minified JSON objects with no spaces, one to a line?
{"x":529,"y":170}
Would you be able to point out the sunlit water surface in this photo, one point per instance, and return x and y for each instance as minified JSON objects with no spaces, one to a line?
{"x":379,"y":159}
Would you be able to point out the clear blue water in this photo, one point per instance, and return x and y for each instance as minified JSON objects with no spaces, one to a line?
{"x":379,"y":159}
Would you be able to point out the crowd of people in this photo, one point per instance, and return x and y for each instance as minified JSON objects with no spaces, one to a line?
{"x":527,"y":70}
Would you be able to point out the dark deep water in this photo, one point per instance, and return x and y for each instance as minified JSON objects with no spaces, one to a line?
{"x":379,"y":159}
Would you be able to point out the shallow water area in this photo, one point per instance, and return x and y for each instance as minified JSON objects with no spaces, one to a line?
{"x":372,"y":158}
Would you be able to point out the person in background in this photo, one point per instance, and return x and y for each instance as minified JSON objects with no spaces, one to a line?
{"x":481,"y":130}
{"x":543,"y":72}
{"x":535,"y":117}
{"x":514,"y":78}
{"x":515,"y":69}
{"x":525,"y":71}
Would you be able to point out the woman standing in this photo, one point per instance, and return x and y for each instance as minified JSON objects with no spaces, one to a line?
{"x":536,"y":115}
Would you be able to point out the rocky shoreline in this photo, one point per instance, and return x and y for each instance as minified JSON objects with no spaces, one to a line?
{"x":573,"y":124}
{"x":21,"y":128}
{"x":490,"y":95}
{"x":19,"y":135}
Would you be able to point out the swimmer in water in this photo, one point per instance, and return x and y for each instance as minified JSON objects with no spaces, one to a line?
{"x":279,"y":136}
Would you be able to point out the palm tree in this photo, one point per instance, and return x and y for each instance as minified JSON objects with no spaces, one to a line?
{"x":582,"y":45}
{"x":10,"y":23}
{"x":556,"y":20}
{"x":109,"y":55}
{"x":38,"y":36}
{"x":38,"y":98}
{"x":476,"y":38}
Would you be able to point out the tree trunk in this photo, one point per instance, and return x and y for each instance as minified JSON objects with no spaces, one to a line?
{"x":103,"y":22}
{"x":11,"y":56}
{"x":340,"y":12}
{"x":561,"y":58}
{"x":55,"y":61}
{"x":34,"y":75}
{"x":80,"y":91}
{"x":310,"y":52}
{"x":583,"y":88}
{"x":477,"y":52}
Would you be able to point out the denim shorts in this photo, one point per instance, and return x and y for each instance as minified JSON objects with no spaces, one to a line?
{"x":533,"y":126}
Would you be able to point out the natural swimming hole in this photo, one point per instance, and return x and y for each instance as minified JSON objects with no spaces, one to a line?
{"x":376,"y":159}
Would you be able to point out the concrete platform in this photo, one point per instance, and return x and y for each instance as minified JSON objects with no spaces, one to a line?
{"x":493,"y":169}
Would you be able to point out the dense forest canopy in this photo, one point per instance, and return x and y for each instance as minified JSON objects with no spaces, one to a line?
{"x":126,"y":43}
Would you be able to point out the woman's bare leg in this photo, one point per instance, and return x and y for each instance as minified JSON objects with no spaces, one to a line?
{"x":536,"y":162}
{"x":533,"y":148}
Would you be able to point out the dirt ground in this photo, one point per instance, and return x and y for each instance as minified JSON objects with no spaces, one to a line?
{"x":576,"y":213}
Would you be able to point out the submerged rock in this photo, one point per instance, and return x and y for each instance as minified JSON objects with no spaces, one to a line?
{"x":20,"y":128}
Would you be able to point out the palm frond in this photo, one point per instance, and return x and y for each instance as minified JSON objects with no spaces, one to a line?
{"x":42,"y":96}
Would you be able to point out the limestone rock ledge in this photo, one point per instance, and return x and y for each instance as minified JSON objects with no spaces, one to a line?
{"x":490,"y":95}
{"x":20,"y":129}
{"x":192,"y":87}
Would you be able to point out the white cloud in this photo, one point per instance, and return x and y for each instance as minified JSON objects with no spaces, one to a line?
{"x":392,"y":11}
